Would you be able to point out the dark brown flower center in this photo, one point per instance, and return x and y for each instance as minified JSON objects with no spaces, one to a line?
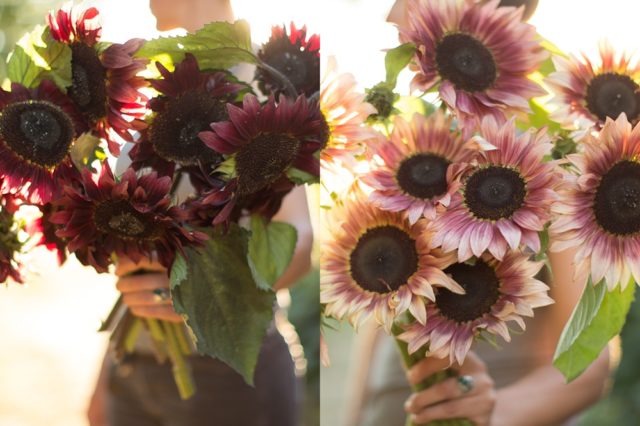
{"x":494,"y":192}
{"x":88,"y":88}
{"x":174,"y":130}
{"x":37,"y":131}
{"x":122,"y":219}
{"x":423,"y":175}
{"x":481,"y":286}
{"x":263,"y":160}
{"x":301,"y":67}
{"x":466,"y":62}
{"x":611,"y":94}
{"x":617,"y":201}
{"x":384,"y":259}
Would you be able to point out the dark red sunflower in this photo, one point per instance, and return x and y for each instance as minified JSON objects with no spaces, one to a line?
{"x":189,"y":101}
{"x":46,"y":231}
{"x":105,"y":83}
{"x":295,"y":56}
{"x":263,"y":144}
{"x":216,"y":205}
{"x":132,"y":217}
{"x":10,"y":243}
{"x":37,"y":129}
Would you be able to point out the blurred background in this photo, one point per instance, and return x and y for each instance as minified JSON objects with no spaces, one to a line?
{"x":50,"y":350}
{"x":357,"y":36}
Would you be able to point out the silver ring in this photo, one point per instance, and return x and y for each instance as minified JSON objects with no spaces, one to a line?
{"x":161,"y":295}
{"x":466,"y":384}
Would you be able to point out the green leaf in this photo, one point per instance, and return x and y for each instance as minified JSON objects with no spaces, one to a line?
{"x":300,"y":177}
{"x":226,"y":311}
{"x":271,"y":248}
{"x":396,"y":60}
{"x":599,"y":317}
{"x":539,"y":118}
{"x":37,"y":57}
{"x":218,"y":45}
{"x":86,"y":150}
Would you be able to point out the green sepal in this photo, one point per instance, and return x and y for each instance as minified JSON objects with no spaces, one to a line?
{"x":598,"y":317}
{"x":396,"y":60}
{"x":213,"y":288}
{"x":271,"y":249}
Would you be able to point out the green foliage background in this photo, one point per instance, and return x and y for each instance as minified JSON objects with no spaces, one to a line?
{"x":18,"y":17}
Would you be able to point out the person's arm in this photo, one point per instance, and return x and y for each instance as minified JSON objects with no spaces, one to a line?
{"x":543,"y":397}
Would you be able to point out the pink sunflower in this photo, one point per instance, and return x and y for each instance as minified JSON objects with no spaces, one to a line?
{"x":345,"y":111}
{"x":264,"y":143}
{"x":478,"y":54}
{"x":496,"y":292}
{"x":37,"y":129}
{"x":599,"y":212}
{"x":105,"y":82}
{"x":505,"y":196}
{"x":189,"y":101}
{"x":132,"y":217}
{"x":588,"y":92}
{"x":418,"y":167}
{"x":295,"y":56}
{"x":375,"y":263}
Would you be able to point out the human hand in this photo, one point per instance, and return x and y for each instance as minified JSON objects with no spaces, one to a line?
{"x":146,"y":294}
{"x":448,"y":399}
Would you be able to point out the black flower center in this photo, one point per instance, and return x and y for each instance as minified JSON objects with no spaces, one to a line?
{"x":611,"y":94}
{"x":123,"y":220}
{"x":466,"y":62}
{"x":88,"y":85}
{"x":263,"y":160}
{"x":174,"y":130}
{"x":384,"y":259}
{"x":481,"y":287}
{"x":423,"y":175}
{"x":37,"y":131}
{"x":494,"y":192}
{"x":617,"y":201}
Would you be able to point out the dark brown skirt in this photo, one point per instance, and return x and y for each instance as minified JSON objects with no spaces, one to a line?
{"x":143,"y":393}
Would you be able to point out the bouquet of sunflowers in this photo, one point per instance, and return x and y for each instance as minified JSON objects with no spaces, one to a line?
{"x":71,"y":100}
{"x":441,"y":206}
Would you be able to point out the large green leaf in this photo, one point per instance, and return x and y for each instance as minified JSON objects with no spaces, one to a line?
{"x":396,"y":60}
{"x":37,"y":57}
{"x":214,"y":289}
{"x":599,"y":316}
{"x":271,"y":248}
{"x":216,"y":45}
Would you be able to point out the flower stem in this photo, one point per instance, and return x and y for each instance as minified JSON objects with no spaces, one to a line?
{"x":411,"y":360}
{"x":182,"y":337}
{"x":181,"y":368}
